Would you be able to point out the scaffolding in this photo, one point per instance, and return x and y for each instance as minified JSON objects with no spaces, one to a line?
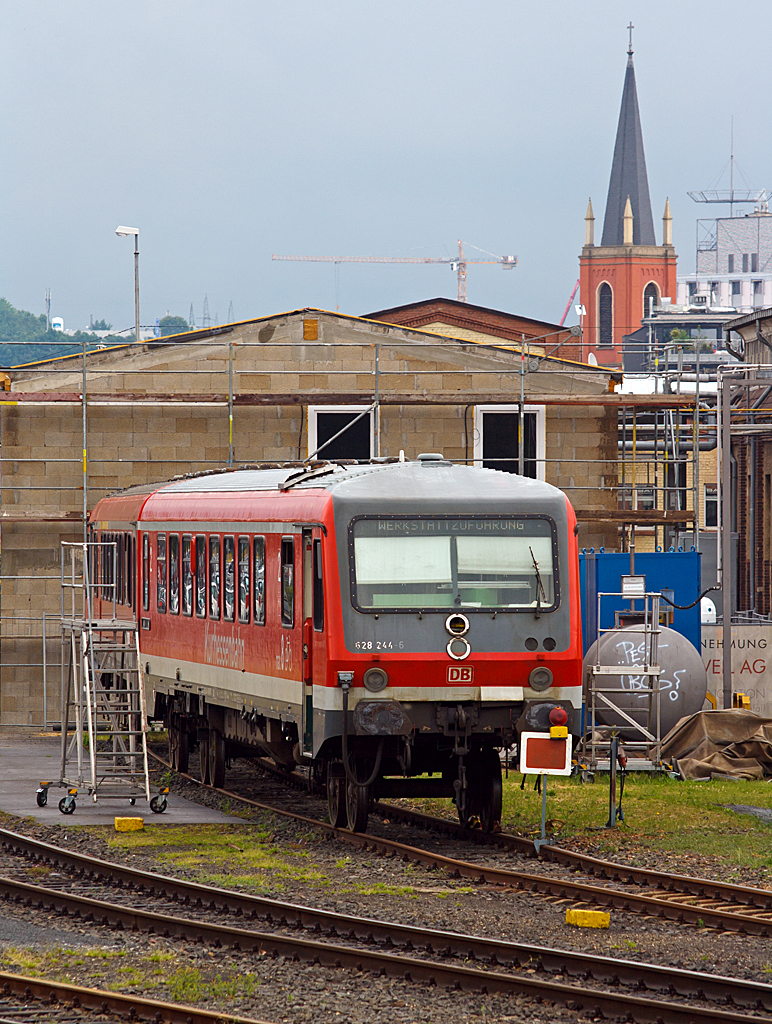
{"x":608,"y":688}
{"x":379,"y":374}
{"x":104,"y":717}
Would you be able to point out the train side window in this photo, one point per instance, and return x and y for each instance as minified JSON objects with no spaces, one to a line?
{"x":129,"y":573}
{"x":229,"y":578}
{"x":160,"y":572}
{"x":201,"y":576}
{"x":120,"y":548}
{"x":259,"y":580}
{"x":146,"y":572}
{"x":187,"y":574}
{"x":318,"y":588}
{"x":104,"y":549}
{"x":214,"y":577}
{"x":244,"y":570}
{"x":174,"y":573}
{"x":287,"y":582}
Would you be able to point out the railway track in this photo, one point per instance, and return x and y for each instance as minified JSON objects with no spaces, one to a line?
{"x":362,"y":944}
{"x":679,"y":898}
{"x":31,"y":1000}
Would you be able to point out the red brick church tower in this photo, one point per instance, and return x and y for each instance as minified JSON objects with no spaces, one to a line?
{"x":620,"y":277}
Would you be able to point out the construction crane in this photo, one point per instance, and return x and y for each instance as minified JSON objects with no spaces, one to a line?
{"x":458,"y":264}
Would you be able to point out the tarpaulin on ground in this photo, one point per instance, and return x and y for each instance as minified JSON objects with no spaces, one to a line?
{"x":735,"y":742}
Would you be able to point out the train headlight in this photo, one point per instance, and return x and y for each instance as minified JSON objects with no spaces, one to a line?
{"x":457,"y":624}
{"x":458,"y":648}
{"x":375,"y":679}
{"x":540,"y":678}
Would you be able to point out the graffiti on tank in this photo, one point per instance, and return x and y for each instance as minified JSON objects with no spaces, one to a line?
{"x":634,"y":653}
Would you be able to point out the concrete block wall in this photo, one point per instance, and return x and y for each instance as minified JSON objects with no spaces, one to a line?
{"x":41,"y":492}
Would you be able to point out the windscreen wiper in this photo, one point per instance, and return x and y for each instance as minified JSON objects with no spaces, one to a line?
{"x":539,"y":586}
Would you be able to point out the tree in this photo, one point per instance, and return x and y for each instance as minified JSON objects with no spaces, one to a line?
{"x":101,"y":325}
{"x":25,"y":339}
{"x":172,"y":325}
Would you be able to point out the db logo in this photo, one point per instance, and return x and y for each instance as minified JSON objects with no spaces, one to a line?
{"x":460,"y":674}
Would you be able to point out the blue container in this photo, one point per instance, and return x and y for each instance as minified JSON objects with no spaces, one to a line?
{"x":676,"y":573}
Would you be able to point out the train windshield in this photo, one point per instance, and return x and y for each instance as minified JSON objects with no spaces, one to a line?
{"x":425,"y":563}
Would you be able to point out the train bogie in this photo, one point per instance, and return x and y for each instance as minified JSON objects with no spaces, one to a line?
{"x":391,"y":626}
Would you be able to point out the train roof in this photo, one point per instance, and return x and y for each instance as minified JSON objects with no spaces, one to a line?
{"x":429,"y":474}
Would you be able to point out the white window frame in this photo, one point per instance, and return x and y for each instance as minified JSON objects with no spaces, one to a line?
{"x":311,"y":432}
{"x":713,"y":497}
{"x":541,"y":435}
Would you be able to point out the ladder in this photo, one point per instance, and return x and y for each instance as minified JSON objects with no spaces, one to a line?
{"x":104,"y":717}
{"x":608,"y":686}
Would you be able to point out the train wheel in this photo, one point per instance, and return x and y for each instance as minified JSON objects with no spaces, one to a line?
{"x":203,"y":756}
{"x":179,"y":746}
{"x":336,"y":794}
{"x":486,"y":789}
{"x":357,"y":806}
{"x":216,"y":759}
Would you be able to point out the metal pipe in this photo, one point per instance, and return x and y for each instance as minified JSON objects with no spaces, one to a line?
{"x":85,"y":447}
{"x":726,"y":538}
{"x":230,"y":403}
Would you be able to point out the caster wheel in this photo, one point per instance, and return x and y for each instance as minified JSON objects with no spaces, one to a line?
{"x":66,"y":806}
{"x":42,"y":797}
{"x":158,"y":804}
{"x":132,"y":801}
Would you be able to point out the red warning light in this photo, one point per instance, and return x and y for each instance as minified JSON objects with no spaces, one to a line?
{"x":558,"y":716}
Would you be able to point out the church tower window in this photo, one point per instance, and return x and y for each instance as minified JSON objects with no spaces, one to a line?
{"x":605,"y":316}
{"x":650,"y":297}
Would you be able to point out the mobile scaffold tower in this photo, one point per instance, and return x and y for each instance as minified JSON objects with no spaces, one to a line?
{"x":104,"y":719}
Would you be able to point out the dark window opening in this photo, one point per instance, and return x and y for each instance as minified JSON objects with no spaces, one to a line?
{"x":259,"y":557}
{"x":745,"y":263}
{"x":353,"y":443}
{"x":187,"y":574}
{"x":200,"y":571}
{"x":754,"y":263}
{"x":318,"y":588}
{"x":229,"y":579}
{"x":288,"y":582}
{"x":605,"y":316}
{"x":500,"y":442}
{"x":711,"y":505}
{"x":160,"y":572}
{"x":730,"y":263}
{"x":650,"y":298}
{"x":214,"y":577}
{"x":174,"y":574}
{"x":244,"y":588}
{"x":146,"y":572}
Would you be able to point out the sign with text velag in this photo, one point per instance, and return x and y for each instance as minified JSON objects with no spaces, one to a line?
{"x":751,"y":663}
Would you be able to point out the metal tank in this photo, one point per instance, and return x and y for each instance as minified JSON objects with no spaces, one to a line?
{"x":683,"y":680}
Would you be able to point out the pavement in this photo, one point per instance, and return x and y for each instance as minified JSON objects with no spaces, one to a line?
{"x":27,"y":759}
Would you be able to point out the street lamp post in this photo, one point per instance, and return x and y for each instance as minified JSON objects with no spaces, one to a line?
{"x":124,"y":231}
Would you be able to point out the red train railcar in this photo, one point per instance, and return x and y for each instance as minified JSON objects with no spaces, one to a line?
{"x":391,"y":625}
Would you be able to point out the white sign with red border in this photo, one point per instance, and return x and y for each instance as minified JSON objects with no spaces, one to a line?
{"x":540,"y":754}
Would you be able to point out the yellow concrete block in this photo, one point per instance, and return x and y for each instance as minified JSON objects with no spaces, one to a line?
{"x":130,"y":825}
{"x":588,"y":918}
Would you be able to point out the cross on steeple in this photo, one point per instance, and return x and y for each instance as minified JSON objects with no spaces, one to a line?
{"x":630,"y":28}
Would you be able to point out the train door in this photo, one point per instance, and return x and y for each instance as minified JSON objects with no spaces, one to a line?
{"x":313,"y":630}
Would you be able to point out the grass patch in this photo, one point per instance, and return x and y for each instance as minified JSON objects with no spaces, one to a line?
{"x":384,"y":889}
{"x":189,"y":985}
{"x":661,"y":813}
{"x":227,"y":856}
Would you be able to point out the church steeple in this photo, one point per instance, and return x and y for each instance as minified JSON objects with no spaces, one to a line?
{"x":628,"y":171}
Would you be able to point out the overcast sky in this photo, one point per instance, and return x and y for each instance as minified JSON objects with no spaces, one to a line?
{"x":228,"y":130}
